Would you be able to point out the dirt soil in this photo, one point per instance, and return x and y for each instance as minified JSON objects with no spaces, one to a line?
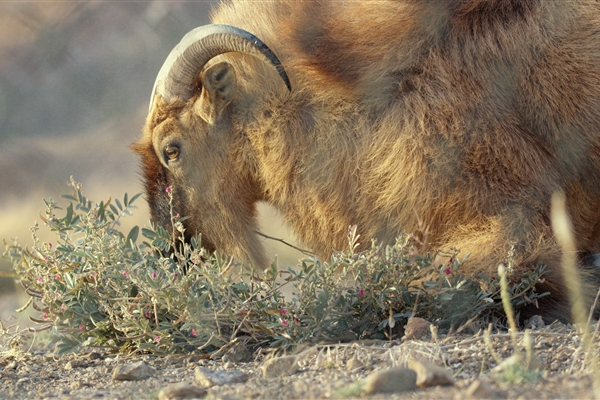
{"x":323,"y":370}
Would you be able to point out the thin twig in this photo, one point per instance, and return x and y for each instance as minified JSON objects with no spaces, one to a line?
{"x":233,"y":335}
{"x":155,"y":314}
{"x":9,"y":275}
{"x":226,"y":306}
{"x":205,"y":345}
{"x":227,"y":267}
{"x":40,"y":329}
{"x":466,"y":324}
{"x":33,"y":339}
{"x":129,"y":338}
{"x":265,"y":295}
{"x":592,"y":308}
{"x":308,"y":253}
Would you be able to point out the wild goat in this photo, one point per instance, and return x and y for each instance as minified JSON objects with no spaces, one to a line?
{"x":464,"y":116}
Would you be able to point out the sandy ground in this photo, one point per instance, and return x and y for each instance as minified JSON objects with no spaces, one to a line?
{"x":323,"y":370}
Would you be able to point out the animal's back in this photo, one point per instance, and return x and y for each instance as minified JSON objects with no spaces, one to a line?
{"x":464,"y":115}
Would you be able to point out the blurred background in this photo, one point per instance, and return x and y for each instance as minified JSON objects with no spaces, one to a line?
{"x":75,"y":82}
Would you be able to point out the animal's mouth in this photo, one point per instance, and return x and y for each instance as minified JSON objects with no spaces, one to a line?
{"x":189,"y":237}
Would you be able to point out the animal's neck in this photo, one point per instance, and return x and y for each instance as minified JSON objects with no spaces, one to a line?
{"x":307,"y":161}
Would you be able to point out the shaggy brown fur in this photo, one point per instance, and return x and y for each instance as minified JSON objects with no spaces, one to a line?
{"x":465,"y":115}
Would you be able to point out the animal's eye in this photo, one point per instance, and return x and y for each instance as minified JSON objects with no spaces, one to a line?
{"x":172,"y":152}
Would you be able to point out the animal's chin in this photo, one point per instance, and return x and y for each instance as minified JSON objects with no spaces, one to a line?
{"x":208,"y":247}
{"x":187,"y":239}
{"x":190,"y":234}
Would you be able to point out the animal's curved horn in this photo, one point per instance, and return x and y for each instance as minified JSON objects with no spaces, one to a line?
{"x":180,"y":71}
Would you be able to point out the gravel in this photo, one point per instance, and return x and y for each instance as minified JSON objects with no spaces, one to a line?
{"x":317,"y":372}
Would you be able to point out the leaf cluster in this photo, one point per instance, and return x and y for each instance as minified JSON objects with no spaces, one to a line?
{"x":95,"y":286}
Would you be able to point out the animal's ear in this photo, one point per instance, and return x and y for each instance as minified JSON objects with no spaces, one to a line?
{"x":218,"y":88}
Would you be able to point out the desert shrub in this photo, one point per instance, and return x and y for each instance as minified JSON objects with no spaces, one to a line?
{"x":97,"y":286}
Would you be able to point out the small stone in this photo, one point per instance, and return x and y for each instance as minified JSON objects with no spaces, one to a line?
{"x":482,"y":390}
{"x":228,"y":365}
{"x":417,"y":328}
{"x":75,"y":364}
{"x":133,"y":372}
{"x":354,"y":363}
{"x":76,"y":385}
{"x":175,"y":359}
{"x":280,"y":366}
{"x":94,"y":356}
{"x":534,"y":322}
{"x":431,"y":375}
{"x":194,"y":358}
{"x":238,"y":354}
{"x":301,"y":386}
{"x":208,"y":377}
{"x":394,"y":380}
{"x":181,"y":391}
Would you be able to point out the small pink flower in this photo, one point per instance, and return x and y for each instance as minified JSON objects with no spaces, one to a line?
{"x":297,"y":320}
{"x":194,"y":332}
{"x":81,"y":328}
{"x":63,"y":307}
{"x":283,"y":312}
{"x":284,"y":322}
{"x":46,"y":258}
{"x":154,"y":275}
{"x":361,"y":292}
{"x":50,"y":245}
{"x":168,"y":189}
{"x":40,"y":279}
{"x":157,"y":338}
{"x":45,"y":316}
{"x":124,"y":273}
{"x":57,"y":277}
{"x":147,"y":314}
{"x":448,"y":270}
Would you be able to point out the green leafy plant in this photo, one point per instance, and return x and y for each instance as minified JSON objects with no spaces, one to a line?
{"x":97,"y":286}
